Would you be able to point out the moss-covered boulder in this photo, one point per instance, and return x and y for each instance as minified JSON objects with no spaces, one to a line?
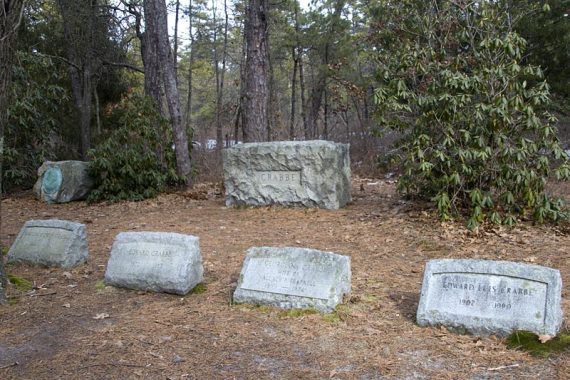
{"x":63,"y":181}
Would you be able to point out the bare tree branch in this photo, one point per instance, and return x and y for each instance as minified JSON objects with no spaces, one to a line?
{"x":125,"y":65}
{"x":8,"y":33}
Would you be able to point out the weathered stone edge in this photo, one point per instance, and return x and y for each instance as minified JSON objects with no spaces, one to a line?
{"x":180,"y":288}
{"x":547,"y":275}
{"x":285,"y":143}
{"x":238,"y":151}
{"x":78,"y":242}
{"x":154,"y":236}
{"x":290,"y":301}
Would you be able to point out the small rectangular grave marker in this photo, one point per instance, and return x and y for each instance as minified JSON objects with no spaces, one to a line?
{"x":486,"y":297}
{"x":291,"y":173}
{"x":293,"y":278}
{"x":157,"y":261}
{"x":53,"y":243}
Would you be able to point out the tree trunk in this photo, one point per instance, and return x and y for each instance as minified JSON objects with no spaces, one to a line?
{"x":299,"y":54}
{"x":219,"y":135}
{"x":79,"y":30}
{"x":358,"y":115}
{"x":219,"y":128}
{"x":157,"y":12}
{"x":271,"y":117}
{"x":293,"y":95}
{"x":10,"y":16}
{"x":149,"y":44}
{"x":190,"y":65}
{"x":97,"y":111}
{"x":236,"y":124}
{"x":323,"y":72}
{"x":345,"y":118}
{"x":256,"y":89}
{"x":369,"y":95}
{"x":326,"y":114}
{"x":303,"y":100}
{"x":152,"y":81}
{"x":316,"y":100}
{"x":242,"y":86}
{"x":82,"y":90}
{"x":175,"y":53}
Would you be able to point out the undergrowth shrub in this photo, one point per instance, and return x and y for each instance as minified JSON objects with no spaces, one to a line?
{"x":136,"y":161}
{"x":477,"y":134}
{"x":32,"y":134}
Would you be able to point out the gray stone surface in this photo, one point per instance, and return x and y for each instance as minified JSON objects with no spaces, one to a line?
{"x":292,"y":173}
{"x":63,"y":181}
{"x":486,"y":297}
{"x":157,"y":261}
{"x":53,"y":243}
{"x":293,"y":278}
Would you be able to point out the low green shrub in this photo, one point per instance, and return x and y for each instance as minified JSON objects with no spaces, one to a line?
{"x":136,"y":161}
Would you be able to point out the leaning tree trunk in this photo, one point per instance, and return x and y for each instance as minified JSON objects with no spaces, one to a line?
{"x":293,"y":95}
{"x":257,"y":65}
{"x":10,"y":17}
{"x":157,"y":11}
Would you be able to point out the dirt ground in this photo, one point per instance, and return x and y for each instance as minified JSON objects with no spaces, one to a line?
{"x":73,"y":327}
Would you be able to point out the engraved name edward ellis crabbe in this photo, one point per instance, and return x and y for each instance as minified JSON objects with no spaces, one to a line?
{"x":490,"y":297}
{"x":480,"y":294}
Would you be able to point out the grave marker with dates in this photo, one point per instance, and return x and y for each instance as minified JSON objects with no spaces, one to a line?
{"x":485,"y":297}
{"x":52,"y":243}
{"x":291,"y":173}
{"x":156,"y":261}
{"x":293,"y":278}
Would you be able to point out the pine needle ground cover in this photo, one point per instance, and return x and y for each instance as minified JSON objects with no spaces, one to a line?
{"x":73,"y":326}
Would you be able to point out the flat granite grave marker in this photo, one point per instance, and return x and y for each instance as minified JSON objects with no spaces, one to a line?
{"x":52,"y":243}
{"x":293,"y":278}
{"x":486,"y":297}
{"x":291,"y":173}
{"x":157,"y":261}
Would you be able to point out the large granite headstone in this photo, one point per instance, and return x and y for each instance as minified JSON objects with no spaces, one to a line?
{"x":292,"y":173}
{"x":157,"y":261}
{"x":63,"y":181}
{"x":490,"y":297}
{"x":53,"y":243}
{"x":293,"y":278}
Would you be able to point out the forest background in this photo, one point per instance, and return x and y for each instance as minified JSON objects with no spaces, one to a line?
{"x":449,"y":95}
{"x":81,"y":67}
